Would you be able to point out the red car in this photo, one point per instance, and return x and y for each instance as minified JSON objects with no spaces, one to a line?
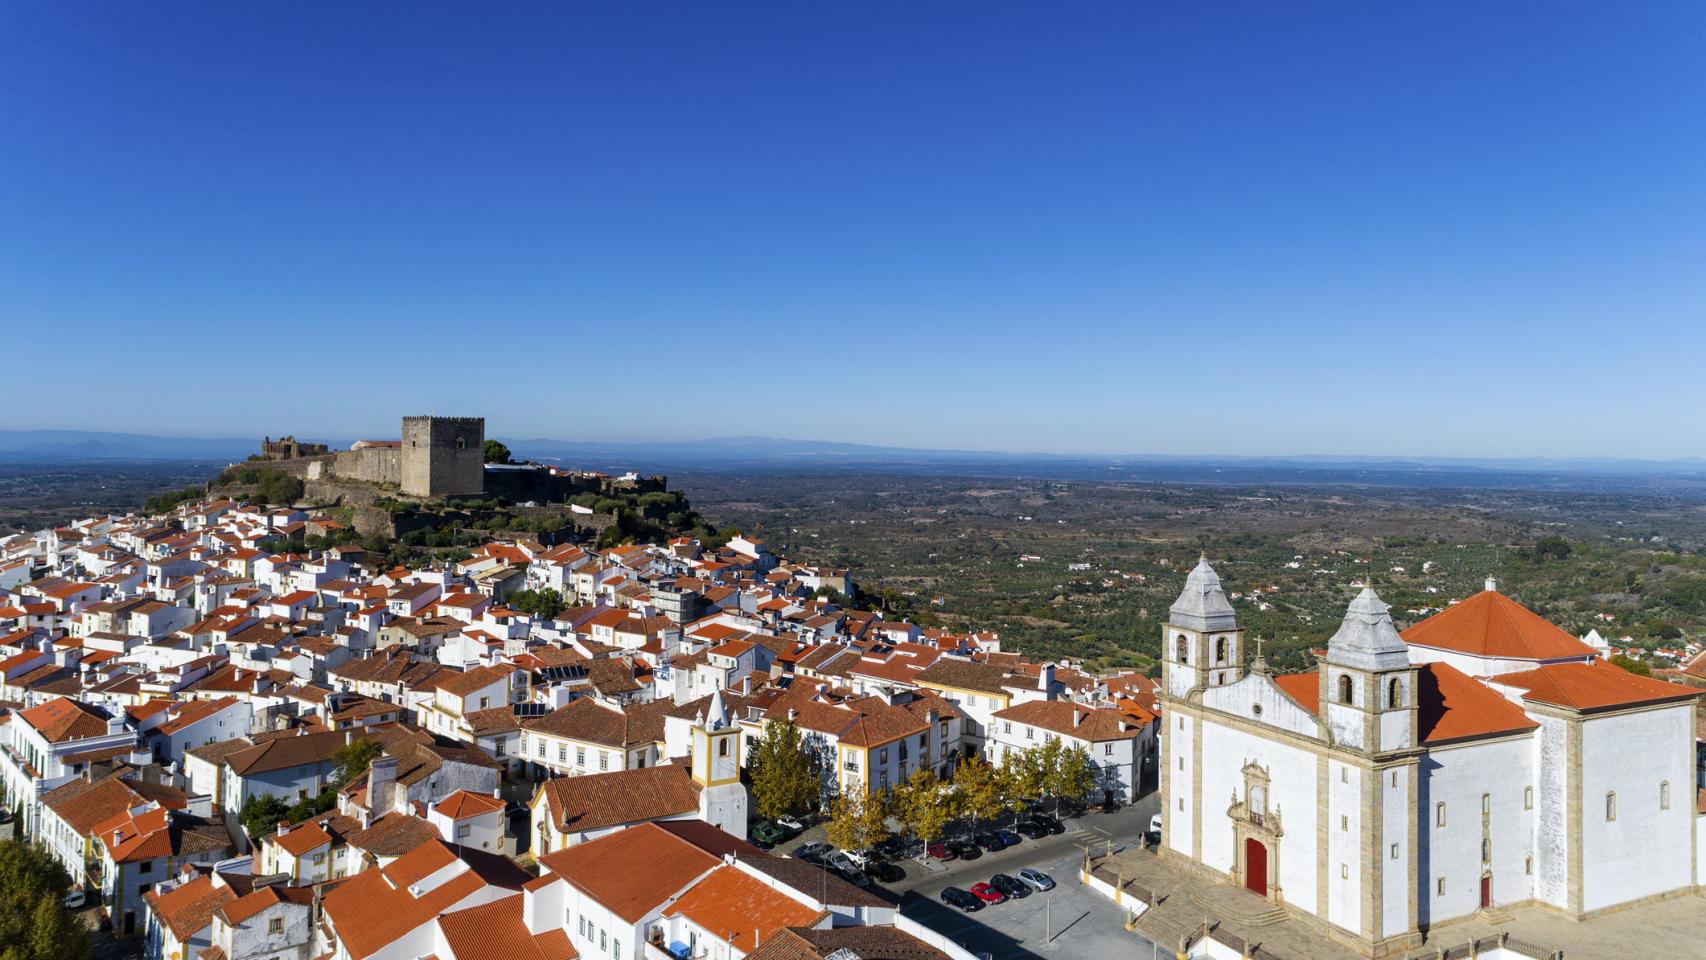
{"x":987,"y":893}
{"x":939,"y":850}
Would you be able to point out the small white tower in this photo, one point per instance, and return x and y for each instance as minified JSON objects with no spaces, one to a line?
{"x":716,"y":769}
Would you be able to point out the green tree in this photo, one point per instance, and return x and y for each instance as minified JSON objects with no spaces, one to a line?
{"x":260,"y":814}
{"x":784,"y":778}
{"x":33,"y":925}
{"x":856,"y":821}
{"x":977,"y":791}
{"x":1552,"y":548}
{"x":1637,"y":667}
{"x":540,"y":603}
{"x":1073,"y":774}
{"x":352,"y":760}
{"x":496,"y":452}
{"x":920,"y":806}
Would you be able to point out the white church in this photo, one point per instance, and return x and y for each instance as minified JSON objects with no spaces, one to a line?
{"x":1483,"y":757}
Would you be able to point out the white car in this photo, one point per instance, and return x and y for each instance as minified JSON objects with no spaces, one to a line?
{"x":74,"y":900}
{"x":1155,"y":824}
{"x":791,"y":823}
{"x":860,"y":858}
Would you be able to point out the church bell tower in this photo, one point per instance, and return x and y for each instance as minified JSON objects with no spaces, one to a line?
{"x":716,"y":768}
{"x":1201,"y":644}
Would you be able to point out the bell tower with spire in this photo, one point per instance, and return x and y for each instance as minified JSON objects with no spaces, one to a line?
{"x":716,"y":768}
{"x":1202,"y":645}
{"x":1368,"y":686}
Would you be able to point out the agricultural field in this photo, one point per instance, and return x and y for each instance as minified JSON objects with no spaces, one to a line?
{"x":1087,"y":569}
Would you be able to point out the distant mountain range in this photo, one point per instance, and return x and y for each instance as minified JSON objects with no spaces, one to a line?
{"x":35,"y":446}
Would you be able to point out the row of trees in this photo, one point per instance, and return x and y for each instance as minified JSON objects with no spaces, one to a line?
{"x":787,"y":779}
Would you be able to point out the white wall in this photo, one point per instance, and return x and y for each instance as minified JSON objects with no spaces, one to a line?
{"x":1292,"y":795}
{"x":1458,"y":777}
{"x":1646,"y":850}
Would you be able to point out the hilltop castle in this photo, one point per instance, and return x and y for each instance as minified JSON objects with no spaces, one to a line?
{"x":436,"y":457}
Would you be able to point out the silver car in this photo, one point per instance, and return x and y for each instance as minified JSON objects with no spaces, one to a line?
{"x":1035,"y":879}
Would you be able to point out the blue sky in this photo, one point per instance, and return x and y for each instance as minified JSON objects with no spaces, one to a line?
{"x":1427,"y":228}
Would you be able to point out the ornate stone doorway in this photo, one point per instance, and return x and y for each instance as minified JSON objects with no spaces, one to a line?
{"x":1256,"y":866}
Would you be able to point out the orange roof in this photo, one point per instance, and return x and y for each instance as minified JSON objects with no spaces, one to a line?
{"x":1591,"y":686}
{"x":462,"y":805}
{"x":1455,"y":706}
{"x":188,"y":907}
{"x":302,"y":838}
{"x":497,"y":931}
{"x":1490,"y":624}
{"x":1305,"y":688}
{"x":246,"y":906}
{"x":62,"y":719}
{"x":655,"y":862}
{"x":740,"y":908}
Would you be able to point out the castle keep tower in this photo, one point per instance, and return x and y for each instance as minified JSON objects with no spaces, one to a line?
{"x":444,"y":456}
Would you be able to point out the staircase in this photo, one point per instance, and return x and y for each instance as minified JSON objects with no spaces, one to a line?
{"x":1238,"y":906}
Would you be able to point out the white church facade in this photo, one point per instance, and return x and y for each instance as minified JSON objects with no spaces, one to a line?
{"x":1484,"y":757}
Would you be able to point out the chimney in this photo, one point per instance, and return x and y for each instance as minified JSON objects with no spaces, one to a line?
{"x":1077,"y":717}
{"x":1492,"y":584}
{"x":793,"y":714}
{"x":381,"y":779}
{"x":283,"y":827}
{"x":1045,"y":678}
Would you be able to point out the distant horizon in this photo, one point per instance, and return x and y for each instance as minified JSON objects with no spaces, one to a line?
{"x":339,"y":442}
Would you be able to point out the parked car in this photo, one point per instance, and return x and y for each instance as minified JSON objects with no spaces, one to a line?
{"x":940,"y":851}
{"x":965,"y":849}
{"x":791,"y":823}
{"x":860,"y":858}
{"x":885,"y":872}
{"x":1052,"y":824}
{"x":1007,"y":837}
{"x":836,"y":860}
{"x":892,"y":848}
{"x":955,"y":897}
{"x":1032,"y":829}
{"x":767,"y":831}
{"x":1011,"y":886}
{"x":987,"y":893}
{"x":1155,"y":824}
{"x":1036,"y":879}
{"x":74,"y":900}
{"x":813,"y":852}
{"x":988,"y":841}
{"x":855,"y":877}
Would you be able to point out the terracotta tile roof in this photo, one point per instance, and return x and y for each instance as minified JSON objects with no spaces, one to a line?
{"x":1592,"y":686}
{"x":462,"y":684}
{"x":1071,"y":719}
{"x":498,"y":931}
{"x":1305,"y":688}
{"x":301,"y":838}
{"x":461,"y":805}
{"x":236,"y":911}
{"x":188,"y":908}
{"x":1455,"y":706}
{"x":394,"y":835}
{"x":747,"y":908}
{"x":65,"y":719}
{"x":656,"y":863}
{"x":84,"y":805}
{"x":968,"y":675}
{"x":375,"y":907}
{"x":1490,"y":624}
{"x":865,"y":942}
{"x":625,"y":796}
{"x":283,"y":752}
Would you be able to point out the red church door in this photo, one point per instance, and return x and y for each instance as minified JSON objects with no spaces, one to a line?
{"x":1256,"y":867}
{"x":1486,"y":891}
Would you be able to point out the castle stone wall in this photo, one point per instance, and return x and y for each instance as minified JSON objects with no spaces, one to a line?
{"x":370,"y":465}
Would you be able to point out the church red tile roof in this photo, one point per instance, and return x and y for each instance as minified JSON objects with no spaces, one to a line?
{"x":1455,"y":706}
{"x":1592,"y":686}
{"x":1490,"y":624}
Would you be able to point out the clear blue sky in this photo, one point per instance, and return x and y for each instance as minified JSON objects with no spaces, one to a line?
{"x":1411,"y":228}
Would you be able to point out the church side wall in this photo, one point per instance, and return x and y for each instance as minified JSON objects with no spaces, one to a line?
{"x":1645,"y":850}
{"x":1398,"y":878}
{"x":1458,"y":777}
{"x":1181,"y":801}
{"x":1293,"y":773}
